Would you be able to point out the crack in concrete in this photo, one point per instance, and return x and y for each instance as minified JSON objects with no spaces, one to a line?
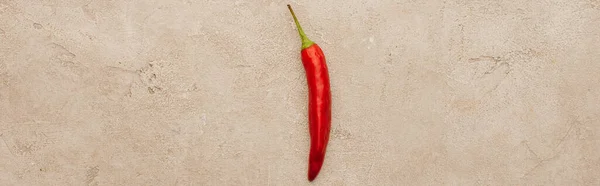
{"x":6,"y":144}
{"x":541,"y":162}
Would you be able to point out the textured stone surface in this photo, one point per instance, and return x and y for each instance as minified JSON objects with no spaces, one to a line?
{"x":213,"y":92}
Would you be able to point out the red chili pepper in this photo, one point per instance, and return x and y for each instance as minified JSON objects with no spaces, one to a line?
{"x":319,"y":100}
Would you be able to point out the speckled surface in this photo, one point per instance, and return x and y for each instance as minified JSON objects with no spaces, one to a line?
{"x":213,"y":92}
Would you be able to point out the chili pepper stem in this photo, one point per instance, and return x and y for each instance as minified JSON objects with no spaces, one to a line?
{"x":305,"y":41}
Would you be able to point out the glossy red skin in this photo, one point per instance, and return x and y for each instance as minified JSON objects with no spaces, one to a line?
{"x":319,"y":106}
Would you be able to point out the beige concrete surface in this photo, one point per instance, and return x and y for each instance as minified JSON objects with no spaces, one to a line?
{"x":115,"y":92}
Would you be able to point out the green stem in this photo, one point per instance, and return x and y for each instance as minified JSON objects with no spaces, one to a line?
{"x":305,"y":41}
